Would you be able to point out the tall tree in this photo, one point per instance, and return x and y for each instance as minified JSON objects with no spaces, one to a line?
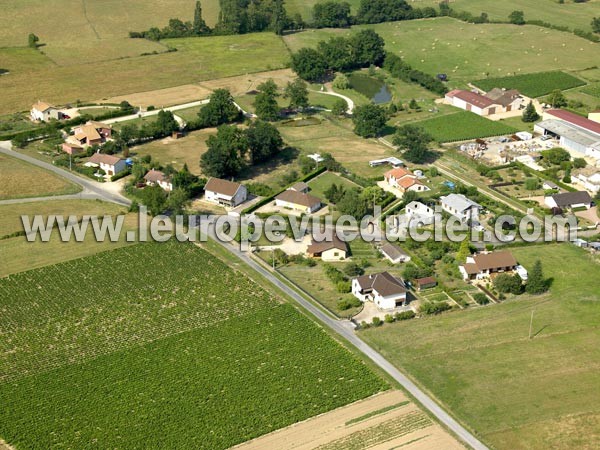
{"x":297,"y":92}
{"x":279,"y":19}
{"x":309,"y":64}
{"x":536,"y":284}
{"x":530,"y":114}
{"x":517,"y":18}
{"x":264,"y":141}
{"x":596,"y":24}
{"x":367,"y":48}
{"x":340,"y":107}
{"x":265,"y":102}
{"x":331,"y":14}
{"x":220,"y":109}
{"x":199,"y":26}
{"x":165,"y":123}
{"x":226,"y":149}
{"x":33,"y":40}
{"x":414,"y":142}
{"x":464,"y":251}
{"x":369,"y":120}
{"x":557,"y":99}
{"x":337,"y":52}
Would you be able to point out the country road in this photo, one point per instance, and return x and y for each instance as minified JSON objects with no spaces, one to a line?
{"x":91,"y":189}
{"x":346,"y":330}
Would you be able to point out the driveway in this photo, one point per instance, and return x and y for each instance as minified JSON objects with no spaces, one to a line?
{"x":330,"y":91}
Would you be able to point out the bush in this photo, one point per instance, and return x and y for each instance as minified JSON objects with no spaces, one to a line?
{"x":388,"y":318}
{"x":343,"y":287}
{"x":429,"y":308}
{"x":377,"y":321}
{"x":481,"y":298}
{"x":404,"y":315}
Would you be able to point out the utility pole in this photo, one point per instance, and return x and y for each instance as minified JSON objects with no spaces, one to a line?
{"x":531,"y":323}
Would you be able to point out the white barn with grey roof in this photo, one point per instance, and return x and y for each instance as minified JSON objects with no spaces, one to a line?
{"x":462,"y":207}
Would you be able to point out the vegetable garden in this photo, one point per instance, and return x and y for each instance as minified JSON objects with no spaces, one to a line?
{"x":463,"y":126}
{"x":160,"y":344}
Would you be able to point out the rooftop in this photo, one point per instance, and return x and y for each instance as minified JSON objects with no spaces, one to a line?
{"x":320,"y":247}
{"x":383,"y":283}
{"x":224,"y":187}
{"x":572,"y":198}
{"x":458,"y":202}
{"x":576,"y":119}
{"x":298,"y":198}
{"x":569,"y":131}
{"x":102,"y":158}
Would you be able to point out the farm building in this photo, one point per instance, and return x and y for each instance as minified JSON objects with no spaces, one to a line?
{"x":393,"y":253}
{"x":43,"y":112}
{"x":157,"y":178}
{"x":404,"y":180}
{"x":484,"y":265}
{"x":392,"y":160}
{"x":111,"y":164}
{"x":568,"y":200}
{"x":549,"y":185}
{"x":576,"y":134}
{"x":330,"y":250}
{"x":383,"y":289}
{"x":224,"y":192}
{"x":298,"y":201}
{"x":460,"y":206}
{"x":425,"y":283}
{"x":494,"y":102}
{"x":84,"y":136}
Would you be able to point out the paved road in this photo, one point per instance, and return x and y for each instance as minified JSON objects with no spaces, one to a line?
{"x":91,"y":189}
{"x":346,"y":330}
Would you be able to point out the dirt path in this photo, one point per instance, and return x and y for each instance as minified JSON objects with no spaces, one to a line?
{"x":332,"y":426}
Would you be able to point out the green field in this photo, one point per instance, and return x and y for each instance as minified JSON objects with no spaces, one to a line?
{"x":571,"y":14}
{"x":35,"y":76}
{"x":319,"y":185}
{"x":462,"y":126}
{"x":533,"y":84}
{"x":469,"y":52}
{"x":161,"y":344}
{"x":513,"y":391}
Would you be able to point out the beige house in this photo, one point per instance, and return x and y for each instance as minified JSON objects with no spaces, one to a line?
{"x":84,"y":136}
{"x":331,"y":250}
{"x":494,"y":102}
{"x":224,"y":192}
{"x":404,"y":180}
{"x":43,"y":112}
{"x":484,"y":265}
{"x":298,"y":201}
{"x":111,"y":164}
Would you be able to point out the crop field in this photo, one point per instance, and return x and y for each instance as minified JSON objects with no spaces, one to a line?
{"x":197,"y":59}
{"x":571,"y":14}
{"x":195,"y":347}
{"x":21,"y":179}
{"x":515,"y":392}
{"x":469,"y":52}
{"x":462,"y":126}
{"x":533,"y":84}
{"x":592,"y":89}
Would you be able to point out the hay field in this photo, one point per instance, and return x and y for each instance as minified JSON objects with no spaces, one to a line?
{"x":467,"y":52}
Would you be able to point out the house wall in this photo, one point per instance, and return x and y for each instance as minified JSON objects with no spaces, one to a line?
{"x":388,"y":302}
{"x":214,"y":197}
{"x":333,"y":254}
{"x":240,"y":196}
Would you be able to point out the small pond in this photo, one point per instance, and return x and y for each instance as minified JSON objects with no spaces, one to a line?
{"x":370,"y":87}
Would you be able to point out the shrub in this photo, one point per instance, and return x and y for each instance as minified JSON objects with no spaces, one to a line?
{"x":481,"y":298}
{"x":377,"y":321}
{"x":429,"y":308}
{"x":404,"y":315}
{"x":388,"y":318}
{"x":343,"y":287}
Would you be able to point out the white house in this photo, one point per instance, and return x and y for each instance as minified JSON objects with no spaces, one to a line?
{"x":329,"y":250}
{"x":568,"y":200}
{"x":460,"y":206}
{"x":157,"y":178}
{"x":224,"y":192}
{"x":111,"y":164}
{"x":393,"y":253}
{"x":481,"y":266}
{"x":590,"y":183}
{"x":43,"y":112}
{"x":418,"y":212}
{"x":298,"y":201}
{"x":383,"y":289}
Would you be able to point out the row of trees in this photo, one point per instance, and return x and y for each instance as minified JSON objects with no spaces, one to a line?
{"x":265,"y":102}
{"x":232,"y":149}
{"x":337,"y":14}
{"x":512,"y":284}
{"x":177,"y":28}
{"x":164,"y":125}
{"x":362,"y":49}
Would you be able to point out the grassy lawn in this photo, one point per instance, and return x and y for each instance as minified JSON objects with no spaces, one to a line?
{"x":462,"y":126}
{"x":513,"y":391}
{"x":319,"y":185}
{"x":197,"y":59}
{"x":10,"y":215}
{"x":468,"y":52}
{"x":532,"y":84}
{"x":21,"y":179}
{"x":336,"y":137}
{"x":115,"y":352}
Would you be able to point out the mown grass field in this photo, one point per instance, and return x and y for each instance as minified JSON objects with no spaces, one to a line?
{"x":197,"y":59}
{"x":533,"y":84}
{"x":513,"y":391}
{"x":21,"y":179}
{"x":571,"y":14}
{"x":177,"y":354}
{"x":469,"y":52}
{"x":319,"y":185}
{"x":463,"y":125}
